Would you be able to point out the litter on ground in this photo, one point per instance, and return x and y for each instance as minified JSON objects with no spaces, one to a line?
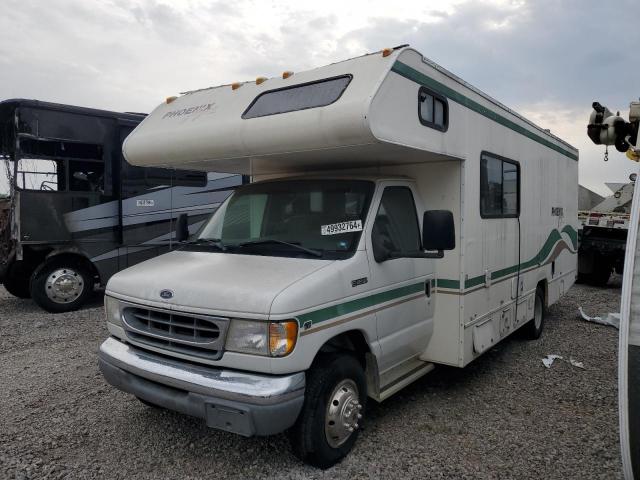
{"x":576,"y":363}
{"x":549,"y":359}
{"x":612,"y":319}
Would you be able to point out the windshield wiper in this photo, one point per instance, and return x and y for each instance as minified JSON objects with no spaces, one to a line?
{"x":214,"y":242}
{"x":315,"y":253}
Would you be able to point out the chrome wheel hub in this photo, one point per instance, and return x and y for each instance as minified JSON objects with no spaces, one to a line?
{"x":343,"y":413}
{"x":64,"y":285}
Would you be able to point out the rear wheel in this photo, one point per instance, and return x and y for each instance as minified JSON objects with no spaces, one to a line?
{"x":332,"y":415}
{"x":61,"y":285}
{"x":601,"y":273}
{"x":533,"y":329}
{"x":16,"y":280}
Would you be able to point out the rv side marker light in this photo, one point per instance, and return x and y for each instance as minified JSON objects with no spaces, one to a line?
{"x":386,"y":52}
{"x":260,"y":80}
{"x":170,"y":99}
{"x":235,"y":85}
{"x":286,"y":74}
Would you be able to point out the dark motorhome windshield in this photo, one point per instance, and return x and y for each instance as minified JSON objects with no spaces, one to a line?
{"x":293,"y":218}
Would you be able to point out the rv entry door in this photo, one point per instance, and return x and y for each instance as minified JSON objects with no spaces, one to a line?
{"x":405,"y":319}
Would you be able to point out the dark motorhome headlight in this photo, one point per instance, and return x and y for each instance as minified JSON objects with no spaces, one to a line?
{"x":270,"y":339}
{"x":112,"y":310}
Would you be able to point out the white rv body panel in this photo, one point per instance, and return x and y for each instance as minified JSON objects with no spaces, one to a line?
{"x":411,"y":311}
{"x":373,"y":129}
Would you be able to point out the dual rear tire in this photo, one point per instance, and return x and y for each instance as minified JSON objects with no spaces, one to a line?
{"x":533,"y":329}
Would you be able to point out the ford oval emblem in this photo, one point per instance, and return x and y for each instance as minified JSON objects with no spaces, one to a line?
{"x":166,"y":294}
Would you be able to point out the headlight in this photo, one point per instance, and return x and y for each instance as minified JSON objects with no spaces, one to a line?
{"x":112,"y":310}
{"x":275,"y":339}
{"x":247,"y":336}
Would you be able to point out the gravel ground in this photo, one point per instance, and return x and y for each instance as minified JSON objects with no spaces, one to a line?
{"x":505,"y":416}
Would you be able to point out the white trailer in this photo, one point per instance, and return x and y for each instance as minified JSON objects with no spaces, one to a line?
{"x":324,"y":281}
{"x":605,"y":128}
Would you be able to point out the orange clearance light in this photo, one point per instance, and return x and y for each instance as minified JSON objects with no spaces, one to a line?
{"x":386,"y":52}
{"x":286,"y":74}
{"x":260,"y":80}
{"x":235,"y":85}
{"x":170,"y":99}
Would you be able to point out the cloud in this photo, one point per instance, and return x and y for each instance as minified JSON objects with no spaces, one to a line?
{"x":544,"y":58}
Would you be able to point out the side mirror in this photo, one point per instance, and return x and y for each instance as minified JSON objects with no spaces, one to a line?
{"x":182,"y":228}
{"x":438,"y":230}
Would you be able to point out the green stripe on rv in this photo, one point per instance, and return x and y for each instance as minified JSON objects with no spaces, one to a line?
{"x":360,"y":304}
{"x":553,"y":239}
{"x":342,"y":309}
{"x":418,"y":77}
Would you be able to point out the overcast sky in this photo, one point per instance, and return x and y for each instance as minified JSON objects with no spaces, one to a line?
{"x":546,"y":59}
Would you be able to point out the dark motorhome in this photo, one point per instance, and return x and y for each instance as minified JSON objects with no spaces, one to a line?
{"x":77,"y":211}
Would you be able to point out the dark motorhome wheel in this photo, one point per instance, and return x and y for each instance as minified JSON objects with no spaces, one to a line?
{"x":16,"y":280}
{"x":332,"y":415}
{"x":533,"y":329}
{"x":601,"y":273}
{"x":61,"y":285}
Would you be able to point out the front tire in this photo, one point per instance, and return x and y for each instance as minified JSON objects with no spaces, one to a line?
{"x":333,"y":410}
{"x":148,"y":403}
{"x":16,"y":280}
{"x":61,"y":285}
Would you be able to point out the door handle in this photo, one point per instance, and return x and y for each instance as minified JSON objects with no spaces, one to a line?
{"x":427,"y":288}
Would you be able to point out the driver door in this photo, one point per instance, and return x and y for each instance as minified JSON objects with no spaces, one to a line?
{"x":405,"y":318}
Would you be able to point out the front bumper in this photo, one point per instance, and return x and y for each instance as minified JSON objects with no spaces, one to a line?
{"x":239,"y":402}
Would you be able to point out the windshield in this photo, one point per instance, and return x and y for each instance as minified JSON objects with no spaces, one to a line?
{"x":296,"y":218}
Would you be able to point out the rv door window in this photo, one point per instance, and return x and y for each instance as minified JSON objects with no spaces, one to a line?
{"x":298,"y":97}
{"x":396,"y":224}
{"x":39,"y":174}
{"x":499,"y":187}
{"x":433,"y":110}
{"x":86,"y":176}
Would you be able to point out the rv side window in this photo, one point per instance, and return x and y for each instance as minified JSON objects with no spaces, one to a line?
{"x":499,"y":187}
{"x":298,"y":97}
{"x":433,"y":110}
{"x":40,"y":174}
{"x":396,"y":224}
{"x":141,"y":177}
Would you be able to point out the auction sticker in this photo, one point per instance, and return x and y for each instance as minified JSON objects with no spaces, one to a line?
{"x":342,"y":227}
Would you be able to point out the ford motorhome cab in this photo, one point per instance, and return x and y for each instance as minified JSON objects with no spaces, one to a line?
{"x":398,"y":219}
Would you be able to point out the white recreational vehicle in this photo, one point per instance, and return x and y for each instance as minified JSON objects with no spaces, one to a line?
{"x":398,"y":219}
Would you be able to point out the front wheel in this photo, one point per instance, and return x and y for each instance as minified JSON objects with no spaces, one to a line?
{"x":332,"y":415}
{"x":148,"y":403}
{"x":61,"y":285}
{"x":16,"y":280}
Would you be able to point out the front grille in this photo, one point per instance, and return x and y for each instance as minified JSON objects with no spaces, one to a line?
{"x":197,"y":335}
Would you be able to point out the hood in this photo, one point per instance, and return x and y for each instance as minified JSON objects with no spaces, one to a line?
{"x":220,"y":283}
